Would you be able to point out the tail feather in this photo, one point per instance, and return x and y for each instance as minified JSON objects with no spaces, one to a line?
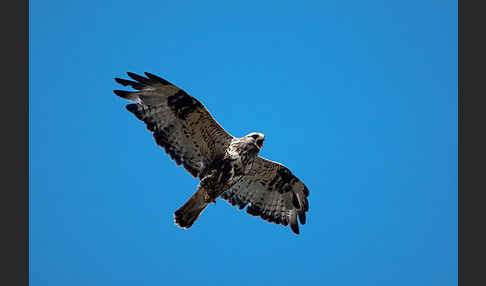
{"x":190,"y":211}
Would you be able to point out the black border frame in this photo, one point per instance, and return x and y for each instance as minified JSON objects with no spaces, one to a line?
{"x":472,"y":143}
{"x":15,"y":144}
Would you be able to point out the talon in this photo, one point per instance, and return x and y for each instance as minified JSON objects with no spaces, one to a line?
{"x":207,"y":198}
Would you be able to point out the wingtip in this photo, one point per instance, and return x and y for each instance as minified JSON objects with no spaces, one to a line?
{"x":132,"y":74}
{"x":295,"y":228}
{"x":120,"y":93}
{"x":294,"y":225}
{"x":302,"y":218}
{"x":150,"y":75}
{"x":157,"y":78}
{"x":120,"y":81}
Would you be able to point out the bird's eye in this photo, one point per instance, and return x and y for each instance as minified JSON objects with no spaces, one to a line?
{"x":254,"y":136}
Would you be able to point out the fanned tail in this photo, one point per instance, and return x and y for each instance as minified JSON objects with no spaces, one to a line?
{"x":190,"y":211}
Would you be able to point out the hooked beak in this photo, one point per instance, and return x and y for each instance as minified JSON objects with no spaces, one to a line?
{"x":259,"y":143}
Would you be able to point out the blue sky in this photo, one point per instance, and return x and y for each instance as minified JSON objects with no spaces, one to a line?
{"x":357,"y":98}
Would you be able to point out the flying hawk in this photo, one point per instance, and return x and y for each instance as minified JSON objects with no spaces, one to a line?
{"x":227,"y":167}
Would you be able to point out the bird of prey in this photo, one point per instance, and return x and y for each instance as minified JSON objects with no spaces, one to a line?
{"x":228,"y":167}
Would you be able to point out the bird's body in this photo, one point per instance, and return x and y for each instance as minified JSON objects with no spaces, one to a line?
{"x":220,"y":176}
{"x":228,"y":167}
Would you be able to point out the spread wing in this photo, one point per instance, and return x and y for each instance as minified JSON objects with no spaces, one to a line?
{"x":179,"y":123}
{"x":271,"y":192}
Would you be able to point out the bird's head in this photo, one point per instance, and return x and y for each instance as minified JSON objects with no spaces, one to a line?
{"x":255,"y":138}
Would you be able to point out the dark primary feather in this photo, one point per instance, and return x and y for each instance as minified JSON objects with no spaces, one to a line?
{"x":139,"y":78}
{"x":156,"y":78}
{"x":126,"y":82}
{"x":126,"y":95}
